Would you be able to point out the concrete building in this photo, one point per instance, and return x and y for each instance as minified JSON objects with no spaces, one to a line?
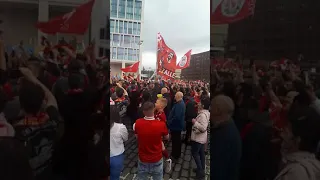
{"x":20,"y":16}
{"x":126,"y":21}
{"x":199,"y":68}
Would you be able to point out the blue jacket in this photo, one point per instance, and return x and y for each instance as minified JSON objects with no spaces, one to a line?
{"x":176,"y":118}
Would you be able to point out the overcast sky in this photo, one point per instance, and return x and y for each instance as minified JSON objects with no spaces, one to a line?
{"x":184,"y":25}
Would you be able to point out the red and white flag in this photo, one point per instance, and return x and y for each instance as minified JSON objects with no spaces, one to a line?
{"x":167,"y":58}
{"x":229,"y":11}
{"x":185,"y":61}
{"x":133,"y":68}
{"x":74,"y":22}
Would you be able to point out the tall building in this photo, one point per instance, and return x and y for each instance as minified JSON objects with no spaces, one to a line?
{"x":126,"y":21}
{"x":199,"y":68}
{"x":278,"y":29}
{"x":20,"y":16}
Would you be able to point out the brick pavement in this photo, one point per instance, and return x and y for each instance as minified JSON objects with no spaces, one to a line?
{"x":182,"y":170}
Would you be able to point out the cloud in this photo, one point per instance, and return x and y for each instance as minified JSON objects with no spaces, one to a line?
{"x":184,"y":25}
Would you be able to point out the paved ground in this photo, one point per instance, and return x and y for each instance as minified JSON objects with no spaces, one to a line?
{"x":182,"y":170}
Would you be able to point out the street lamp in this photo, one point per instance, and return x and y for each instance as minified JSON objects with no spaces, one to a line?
{"x":140,"y":56}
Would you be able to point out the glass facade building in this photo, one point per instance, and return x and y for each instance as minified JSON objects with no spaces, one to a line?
{"x":125,"y":30}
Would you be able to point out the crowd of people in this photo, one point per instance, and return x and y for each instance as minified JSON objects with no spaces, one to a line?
{"x":264,"y":126}
{"x":53,"y":108}
{"x":157,"y":112}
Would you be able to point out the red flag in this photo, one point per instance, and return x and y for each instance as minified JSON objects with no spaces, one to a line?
{"x":166,"y":56}
{"x":229,"y":11}
{"x":133,"y":68}
{"x":185,"y":61}
{"x":74,"y":22}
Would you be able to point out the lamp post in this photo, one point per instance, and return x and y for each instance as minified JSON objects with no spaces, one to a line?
{"x":140,"y":56}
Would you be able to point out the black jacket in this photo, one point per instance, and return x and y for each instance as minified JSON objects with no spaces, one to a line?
{"x":167,"y":110}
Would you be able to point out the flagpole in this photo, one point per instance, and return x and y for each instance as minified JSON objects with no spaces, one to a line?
{"x":156,"y":71}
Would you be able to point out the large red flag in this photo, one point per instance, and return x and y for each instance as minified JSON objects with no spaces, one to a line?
{"x":166,"y":56}
{"x":74,"y":22}
{"x":229,"y":11}
{"x":185,"y":61}
{"x":133,"y":68}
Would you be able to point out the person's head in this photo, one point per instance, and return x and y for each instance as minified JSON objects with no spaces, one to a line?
{"x":119,"y":92}
{"x":75,"y":66}
{"x":222,"y":108}
{"x":303,"y":130}
{"x":31,"y":97}
{"x":178,"y":97}
{"x":146,"y":96}
{"x":161,"y":103}
{"x":151,"y":85}
{"x":164,"y":90}
{"x":204,"y":104}
{"x":114,"y":115}
{"x":74,"y":81}
{"x":148,"y":109}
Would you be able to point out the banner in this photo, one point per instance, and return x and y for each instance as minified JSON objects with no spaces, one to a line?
{"x":225,"y":65}
{"x":185,"y":61}
{"x":166,"y":59}
{"x":74,"y":22}
{"x":133,"y":68}
{"x":229,"y":11}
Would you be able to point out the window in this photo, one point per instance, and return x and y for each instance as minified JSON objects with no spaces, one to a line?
{"x":127,"y":40}
{"x":116,"y":40}
{"x":121,"y":26}
{"x":137,"y":10}
{"x":130,"y":54}
{"x":134,"y":29}
{"x":121,"y":40}
{"x":122,"y":9}
{"x":100,"y":52}
{"x":113,"y":8}
{"x":125,"y":53}
{"x":125,"y":27}
{"x":117,"y":26}
{"x":130,"y":28}
{"x":114,"y":53}
{"x":112,"y":24}
{"x":120,"y":53}
{"x":129,"y":14}
{"x":137,"y":41}
{"x":139,"y":29}
{"x":102,"y":33}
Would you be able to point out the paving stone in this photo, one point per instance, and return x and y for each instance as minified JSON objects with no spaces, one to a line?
{"x":188,"y":152}
{"x":166,"y":176}
{"x":132,"y":155}
{"x":186,"y":165}
{"x":134,"y":170}
{"x":177,"y":168}
{"x":126,"y":171}
{"x":184,"y":173}
{"x":175,"y":175}
{"x":126,"y":161}
{"x":187,"y":157}
{"x":183,"y":178}
{"x":132,"y":164}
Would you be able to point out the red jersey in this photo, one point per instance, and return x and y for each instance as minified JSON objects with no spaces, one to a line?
{"x":161,"y":116}
{"x":150,"y":132}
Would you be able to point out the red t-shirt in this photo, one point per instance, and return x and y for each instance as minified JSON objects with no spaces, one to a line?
{"x":150,"y":133}
{"x":161,"y":116}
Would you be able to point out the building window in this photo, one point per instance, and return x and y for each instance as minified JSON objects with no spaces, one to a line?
{"x":113,"y":8}
{"x":125,"y":53}
{"x":134,"y":29}
{"x":130,"y":28}
{"x":116,"y":40}
{"x":121,"y":26}
{"x":120,"y":53}
{"x":122,"y":9}
{"x":125,"y":27}
{"x":112,"y":24}
{"x":114,"y":53}
{"x":102,"y":33}
{"x":130,"y":54}
{"x":139,"y":29}
{"x":137,"y":10}
{"x":137,"y":41}
{"x":100,"y":52}
{"x":116,"y":27}
{"x":129,"y":9}
{"x":127,"y":40}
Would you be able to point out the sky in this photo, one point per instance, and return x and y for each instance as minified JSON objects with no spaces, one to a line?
{"x":183,"y":24}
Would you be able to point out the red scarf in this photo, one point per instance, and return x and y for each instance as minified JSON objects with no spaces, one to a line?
{"x":36,"y":120}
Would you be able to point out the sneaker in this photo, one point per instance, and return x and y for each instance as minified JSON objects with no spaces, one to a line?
{"x":168,"y":165}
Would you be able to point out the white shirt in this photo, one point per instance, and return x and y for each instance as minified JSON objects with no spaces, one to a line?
{"x":118,"y":135}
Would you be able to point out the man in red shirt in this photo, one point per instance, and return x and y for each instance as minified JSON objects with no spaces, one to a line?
{"x":150,"y":133}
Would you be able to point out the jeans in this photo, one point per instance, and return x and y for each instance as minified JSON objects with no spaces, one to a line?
{"x":176,"y":144}
{"x":116,"y":166}
{"x":153,"y":169}
{"x":198,"y":155}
